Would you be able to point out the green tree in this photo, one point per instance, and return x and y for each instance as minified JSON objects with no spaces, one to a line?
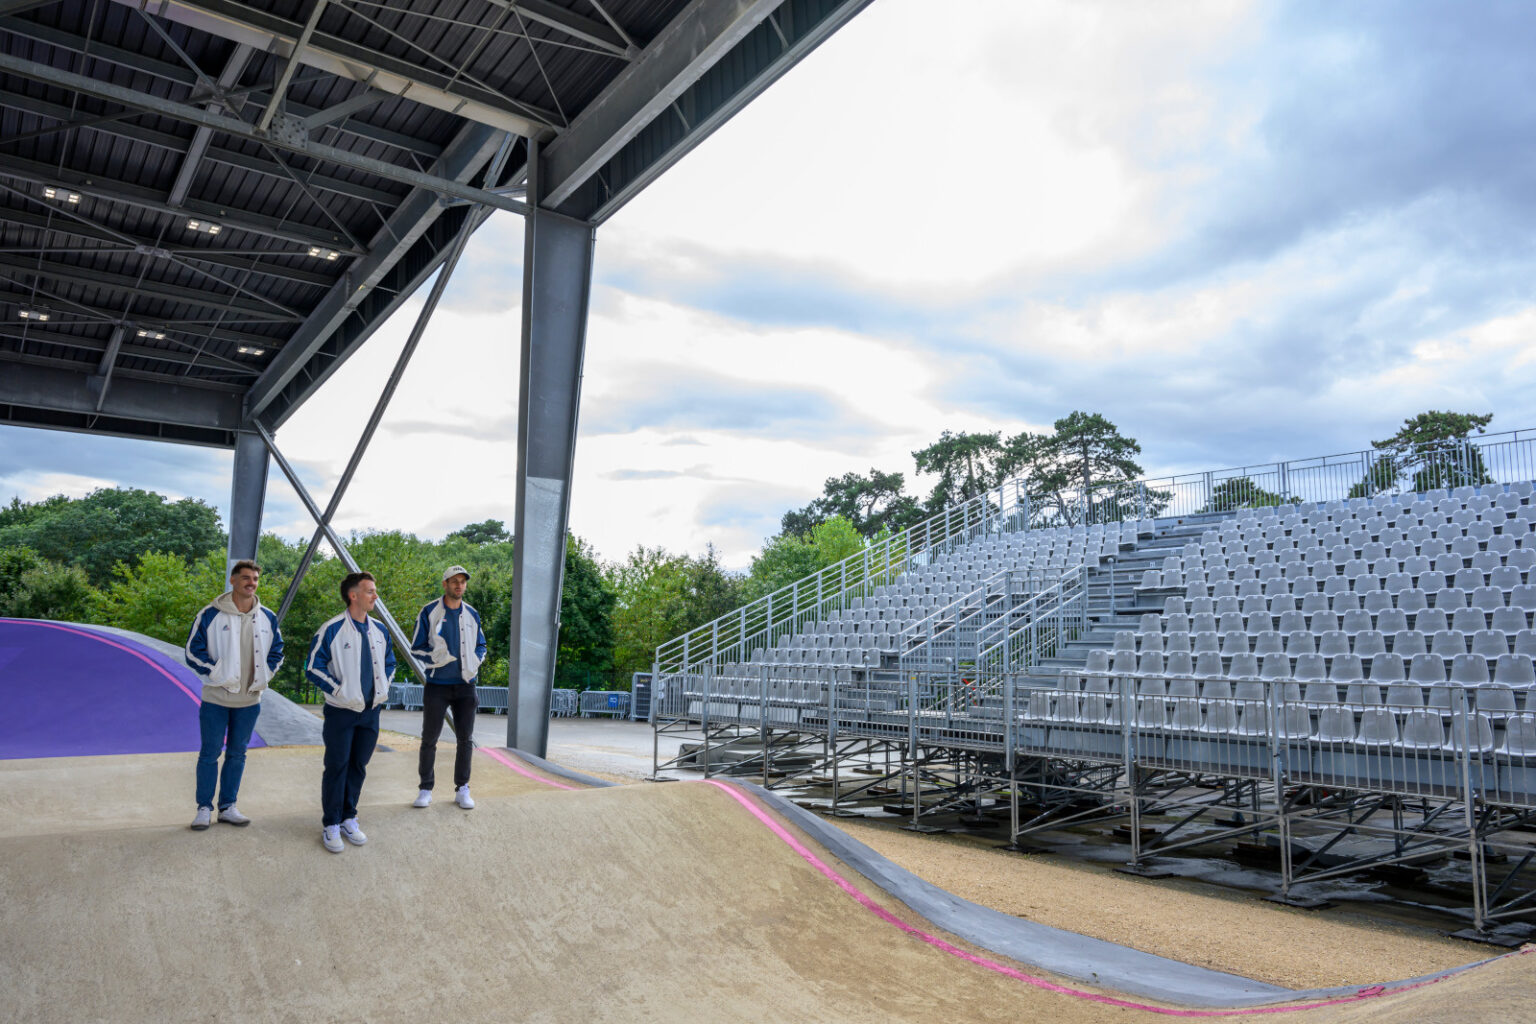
{"x":112,"y":525}
{"x":871,"y":503}
{"x":787,"y":558}
{"x":1435,"y":448}
{"x":277,"y":558}
{"x":586,"y":619}
{"x":659,"y":596}
{"x":14,"y":561}
{"x":1084,"y":471}
{"x":966,"y":465}
{"x":492,"y":531}
{"x":158,"y":596}
{"x":34,"y":588}
{"x":1240,"y":492}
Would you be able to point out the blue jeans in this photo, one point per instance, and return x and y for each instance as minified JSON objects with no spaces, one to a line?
{"x":350,"y":737}
{"x":228,"y":729}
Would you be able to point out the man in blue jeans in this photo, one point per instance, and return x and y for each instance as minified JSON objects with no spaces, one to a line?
{"x":450,"y":644}
{"x":352,"y":663}
{"x":236,"y":646}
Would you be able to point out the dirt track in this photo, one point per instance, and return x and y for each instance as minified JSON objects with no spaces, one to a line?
{"x":648,"y":903}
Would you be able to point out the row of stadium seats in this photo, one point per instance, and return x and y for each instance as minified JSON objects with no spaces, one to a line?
{"x":1513,"y":668}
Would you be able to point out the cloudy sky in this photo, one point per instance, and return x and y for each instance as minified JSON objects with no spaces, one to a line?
{"x":1242,"y":231}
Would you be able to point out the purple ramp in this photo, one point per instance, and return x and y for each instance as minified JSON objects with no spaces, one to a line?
{"x":69,"y":692}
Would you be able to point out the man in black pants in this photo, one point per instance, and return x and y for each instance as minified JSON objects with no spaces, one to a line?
{"x":450,"y":644}
{"x":352,"y":662}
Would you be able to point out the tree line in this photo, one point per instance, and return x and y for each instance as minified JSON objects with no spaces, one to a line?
{"x":133,"y":559}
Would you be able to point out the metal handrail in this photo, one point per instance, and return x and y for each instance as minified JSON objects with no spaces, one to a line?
{"x":760,"y":623}
{"x":1061,"y":607}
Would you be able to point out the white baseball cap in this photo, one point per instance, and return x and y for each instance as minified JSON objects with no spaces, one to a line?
{"x":455,"y":570}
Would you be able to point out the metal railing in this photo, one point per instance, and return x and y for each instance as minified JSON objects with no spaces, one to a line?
{"x":786,"y":611}
{"x":1503,"y":457}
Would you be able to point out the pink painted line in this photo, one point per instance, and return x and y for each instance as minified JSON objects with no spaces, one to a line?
{"x":146,"y":659}
{"x":874,"y":908}
{"x":496,"y":755}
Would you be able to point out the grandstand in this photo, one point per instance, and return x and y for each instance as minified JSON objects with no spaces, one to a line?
{"x":1340,"y":683}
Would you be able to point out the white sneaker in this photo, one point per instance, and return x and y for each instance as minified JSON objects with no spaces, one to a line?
{"x":352,"y":833}
{"x":203,"y":820}
{"x":463,"y":799}
{"x":331,"y":837}
{"x":231,"y":816}
{"x":423,"y":798}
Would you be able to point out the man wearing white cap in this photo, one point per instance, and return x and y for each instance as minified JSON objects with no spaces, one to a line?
{"x":450,"y":644}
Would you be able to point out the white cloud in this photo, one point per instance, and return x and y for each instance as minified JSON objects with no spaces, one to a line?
{"x":37,"y":485}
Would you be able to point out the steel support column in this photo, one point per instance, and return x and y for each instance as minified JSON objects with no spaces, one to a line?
{"x":247,"y":497}
{"x":557,"y":281}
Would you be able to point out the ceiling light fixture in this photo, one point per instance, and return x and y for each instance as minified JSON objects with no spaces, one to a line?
{"x":207,"y":227}
{"x":40,"y":315}
{"x":250,"y":350}
{"x":328,"y":254}
{"x":61,"y":195}
{"x":154,"y":335}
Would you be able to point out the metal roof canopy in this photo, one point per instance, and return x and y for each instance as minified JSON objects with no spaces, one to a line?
{"x":207,"y":206}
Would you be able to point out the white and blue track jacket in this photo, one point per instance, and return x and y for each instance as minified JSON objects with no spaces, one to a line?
{"x":431,"y":649}
{"x":336,"y":658}
{"x":214,"y":651}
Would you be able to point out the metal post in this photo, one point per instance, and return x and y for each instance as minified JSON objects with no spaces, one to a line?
{"x":248,"y":494}
{"x":708,"y":676}
{"x":655,"y":719}
{"x":402,"y":642}
{"x":1272,"y":701}
{"x":763,"y":721}
{"x":917,"y":784}
{"x":557,"y":284}
{"x":1461,"y":729}
{"x":1132,"y":774}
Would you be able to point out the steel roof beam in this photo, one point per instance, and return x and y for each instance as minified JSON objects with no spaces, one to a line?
{"x":285,"y":77}
{"x":122,"y":129}
{"x":228,"y":79}
{"x":39,"y":387}
{"x":245,"y":24}
{"x":93,"y":316}
{"x":176,"y":357}
{"x":183,"y":76}
{"x":88,"y":86}
{"x":227,"y":387}
{"x":464,"y":157}
{"x":124,"y":284}
{"x":152,"y":199}
{"x":105,"y":367}
{"x":674,"y":60}
{"x":588,"y":30}
{"x":358,"y":101}
{"x":262,"y":267}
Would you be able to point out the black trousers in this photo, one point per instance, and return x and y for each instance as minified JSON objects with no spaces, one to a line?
{"x":436,"y":699}
{"x":350,"y":737}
